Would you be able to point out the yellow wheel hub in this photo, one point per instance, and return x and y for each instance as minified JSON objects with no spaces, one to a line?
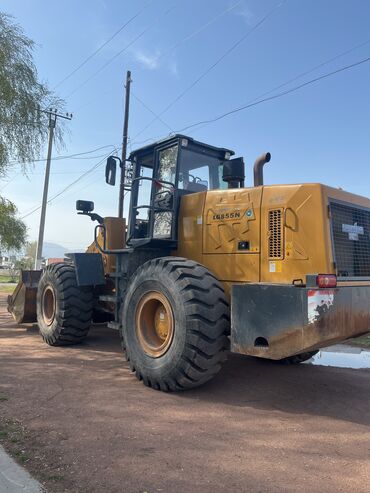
{"x":154,"y":324}
{"x":48,"y":305}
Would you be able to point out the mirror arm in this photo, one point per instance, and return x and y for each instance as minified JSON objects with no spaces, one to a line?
{"x":93,"y":216}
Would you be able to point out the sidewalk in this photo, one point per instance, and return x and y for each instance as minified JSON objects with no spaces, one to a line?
{"x":15,"y":479}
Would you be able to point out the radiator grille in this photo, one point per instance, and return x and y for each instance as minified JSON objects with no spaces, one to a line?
{"x":351,"y":239}
{"x":275,"y":245}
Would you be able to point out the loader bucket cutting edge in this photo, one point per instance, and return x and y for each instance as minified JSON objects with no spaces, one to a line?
{"x":22,"y":302}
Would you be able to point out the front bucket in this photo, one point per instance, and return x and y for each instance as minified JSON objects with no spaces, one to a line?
{"x":22,"y":303}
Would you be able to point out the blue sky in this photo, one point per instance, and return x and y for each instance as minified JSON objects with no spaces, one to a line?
{"x":317,"y":134}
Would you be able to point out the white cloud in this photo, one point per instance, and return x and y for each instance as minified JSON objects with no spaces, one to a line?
{"x":244,"y":11}
{"x":149,"y":61}
{"x":154,"y":61}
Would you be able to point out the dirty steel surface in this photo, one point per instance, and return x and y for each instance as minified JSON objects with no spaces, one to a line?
{"x":90,"y":426}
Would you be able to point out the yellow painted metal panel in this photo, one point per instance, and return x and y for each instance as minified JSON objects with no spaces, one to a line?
{"x":115,"y":239}
{"x":211,"y":224}
{"x":231,"y":216}
{"x":305,"y":239}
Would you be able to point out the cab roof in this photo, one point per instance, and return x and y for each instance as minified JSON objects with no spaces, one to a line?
{"x":148,"y":149}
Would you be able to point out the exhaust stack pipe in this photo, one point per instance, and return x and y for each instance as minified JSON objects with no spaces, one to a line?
{"x":258,"y":168}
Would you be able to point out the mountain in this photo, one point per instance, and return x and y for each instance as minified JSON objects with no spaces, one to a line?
{"x":50,"y":250}
{"x":53,"y":250}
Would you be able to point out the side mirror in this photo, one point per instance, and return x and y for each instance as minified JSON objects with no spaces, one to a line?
{"x":84,"y":206}
{"x":110,"y":170}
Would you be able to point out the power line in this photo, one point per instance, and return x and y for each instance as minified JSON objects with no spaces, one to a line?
{"x":80,"y":189}
{"x":197,"y":31}
{"x":87,"y":59}
{"x":8,"y":183}
{"x":151,"y":139}
{"x":151,"y":111}
{"x":53,"y":118}
{"x":157,"y":116}
{"x":211,"y":67}
{"x":177,"y":44}
{"x":65,"y":172}
{"x":79,"y":178}
{"x":313,"y":69}
{"x":69,"y":156}
{"x":121,"y":51}
{"x":306,"y":72}
{"x":276,"y":96}
{"x":90,"y":170}
{"x":299,"y":76}
{"x":32,"y":211}
{"x":19,"y":173}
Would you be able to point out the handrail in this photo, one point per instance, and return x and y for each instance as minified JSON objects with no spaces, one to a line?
{"x":153,"y":179}
{"x":153,"y":208}
{"x":104,"y":249}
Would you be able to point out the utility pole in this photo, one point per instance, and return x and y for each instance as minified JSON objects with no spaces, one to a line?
{"x":124,"y":145}
{"x":53,"y":115}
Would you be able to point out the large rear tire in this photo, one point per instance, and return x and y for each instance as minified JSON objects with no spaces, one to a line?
{"x":175,"y":323}
{"x":64,"y":310}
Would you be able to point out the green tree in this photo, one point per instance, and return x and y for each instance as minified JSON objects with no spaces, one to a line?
{"x":23,"y":124}
{"x":13,"y":231}
{"x":25,"y":263}
{"x":30,"y":253}
{"x":23,"y":127}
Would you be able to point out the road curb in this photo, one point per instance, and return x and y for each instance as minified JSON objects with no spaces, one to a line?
{"x":15,"y":479}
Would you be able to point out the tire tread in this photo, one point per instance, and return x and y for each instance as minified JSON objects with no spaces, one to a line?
{"x":75,"y":307}
{"x":208,"y":324}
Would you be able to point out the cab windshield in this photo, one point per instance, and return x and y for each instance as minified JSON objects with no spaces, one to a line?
{"x":199,"y":171}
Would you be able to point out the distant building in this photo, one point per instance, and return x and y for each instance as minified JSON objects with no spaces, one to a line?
{"x":4,"y":262}
{"x":54,"y":260}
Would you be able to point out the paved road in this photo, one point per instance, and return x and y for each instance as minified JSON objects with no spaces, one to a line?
{"x":258,"y":427}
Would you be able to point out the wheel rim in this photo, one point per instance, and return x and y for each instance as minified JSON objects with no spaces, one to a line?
{"x":154,"y":324}
{"x":48,"y":305}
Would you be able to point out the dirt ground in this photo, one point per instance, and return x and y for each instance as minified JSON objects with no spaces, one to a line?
{"x":80,"y":422}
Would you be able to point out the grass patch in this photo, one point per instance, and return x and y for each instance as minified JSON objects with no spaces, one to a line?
{"x":21,"y":456}
{"x":363,"y":341}
{"x":7,"y":289}
{"x":56,"y":477}
{"x":8,"y":279}
{"x":3,"y":398}
{"x":25,"y":447}
{"x":12,"y":436}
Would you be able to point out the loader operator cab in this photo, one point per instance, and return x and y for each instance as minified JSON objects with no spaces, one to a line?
{"x":163,"y":172}
{"x":159,"y":175}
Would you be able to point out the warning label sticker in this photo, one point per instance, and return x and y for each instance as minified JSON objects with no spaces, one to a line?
{"x":275,"y":266}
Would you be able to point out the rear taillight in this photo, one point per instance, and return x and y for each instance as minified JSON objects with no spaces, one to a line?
{"x":326,"y":280}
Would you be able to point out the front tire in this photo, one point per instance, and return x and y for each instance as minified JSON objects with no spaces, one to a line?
{"x":64,"y":310}
{"x":175,"y":323}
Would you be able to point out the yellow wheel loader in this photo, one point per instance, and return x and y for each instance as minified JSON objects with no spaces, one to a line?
{"x":206,"y":264}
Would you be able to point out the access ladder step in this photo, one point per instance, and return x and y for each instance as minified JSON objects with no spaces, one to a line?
{"x":113,"y":325}
{"x":109,"y":298}
{"x":114,"y":275}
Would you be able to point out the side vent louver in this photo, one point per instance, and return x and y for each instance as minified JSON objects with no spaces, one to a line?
{"x":275,"y":235}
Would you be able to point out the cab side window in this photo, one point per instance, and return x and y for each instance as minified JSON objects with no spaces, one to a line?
{"x":163,"y":193}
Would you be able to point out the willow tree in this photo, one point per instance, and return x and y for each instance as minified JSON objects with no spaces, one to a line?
{"x":23,"y":124}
